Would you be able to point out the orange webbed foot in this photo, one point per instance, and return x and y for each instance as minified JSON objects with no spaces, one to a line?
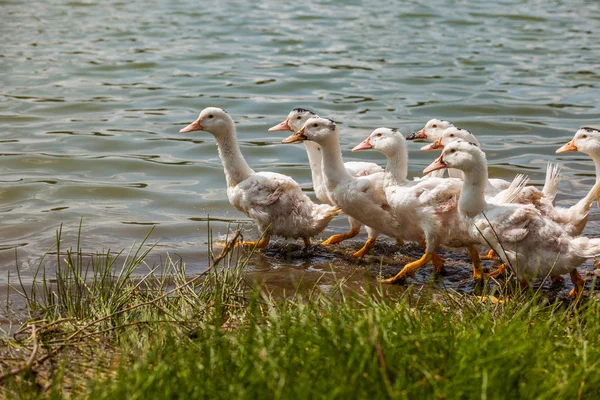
{"x":409,"y":269}
{"x":489,"y":256}
{"x":498,"y":271}
{"x":579,"y":282}
{"x":365,"y":249}
{"x":438,"y":263}
{"x":261,"y":244}
{"x":340,"y":237}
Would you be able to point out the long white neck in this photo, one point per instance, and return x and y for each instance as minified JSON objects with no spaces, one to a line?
{"x":396,"y":169}
{"x":596,"y":158}
{"x":236,"y":167}
{"x":456,"y":173}
{"x":315,"y":159}
{"x":472,"y":197}
{"x":334,"y":170}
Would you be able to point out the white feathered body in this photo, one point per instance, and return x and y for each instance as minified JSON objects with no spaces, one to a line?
{"x":534,"y":246}
{"x":572,"y":219}
{"x":361,"y":168}
{"x":430,"y":207}
{"x":353,"y":168}
{"x":276,"y":202}
{"x":364,"y":200}
{"x":360,"y":198}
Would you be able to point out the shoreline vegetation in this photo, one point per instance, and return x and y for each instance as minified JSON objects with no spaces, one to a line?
{"x":98,"y":329}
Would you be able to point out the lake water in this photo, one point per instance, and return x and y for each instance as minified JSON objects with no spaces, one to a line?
{"x":93,"y":95}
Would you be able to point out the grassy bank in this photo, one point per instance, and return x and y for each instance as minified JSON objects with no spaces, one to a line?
{"x":164,"y":334}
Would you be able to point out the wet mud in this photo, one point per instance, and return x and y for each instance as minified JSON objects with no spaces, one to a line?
{"x":286,"y":268}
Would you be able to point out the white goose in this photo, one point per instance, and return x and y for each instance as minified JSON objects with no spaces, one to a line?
{"x":360,"y":198}
{"x":549,"y":190}
{"x":432,"y":130}
{"x":274,"y":201}
{"x":453,"y":133}
{"x":573,"y":218}
{"x":430,"y":205}
{"x":494,"y":186}
{"x":531,"y":244}
{"x":294,"y":122}
{"x":587,"y":141}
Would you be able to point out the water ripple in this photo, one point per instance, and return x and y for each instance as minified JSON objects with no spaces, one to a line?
{"x":94,"y":94}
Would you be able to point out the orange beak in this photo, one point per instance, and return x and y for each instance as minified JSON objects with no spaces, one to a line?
{"x":296,"y":137}
{"x":282,"y":126}
{"x":567,"y":148}
{"x":434,"y":166}
{"x":194,"y":126}
{"x":418,"y":135}
{"x":364,"y":145}
{"x":434,"y":146}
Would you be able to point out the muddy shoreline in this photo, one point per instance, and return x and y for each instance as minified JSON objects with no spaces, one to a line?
{"x":286,"y":268}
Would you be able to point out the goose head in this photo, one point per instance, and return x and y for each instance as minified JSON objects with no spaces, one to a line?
{"x":449,"y":135}
{"x":458,"y":154}
{"x":315,"y":129}
{"x":212,"y":120}
{"x":385,"y":140}
{"x":586,"y":140}
{"x":294,"y":121}
{"x":432,"y":130}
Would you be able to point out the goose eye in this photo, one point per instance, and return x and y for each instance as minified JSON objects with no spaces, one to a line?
{"x":315,"y":125}
{"x":452,"y":135}
{"x":453,"y":151}
{"x":210,"y":116}
{"x":298,"y":117}
{"x":434,"y":126}
{"x":378,"y":135}
{"x":584,"y":136}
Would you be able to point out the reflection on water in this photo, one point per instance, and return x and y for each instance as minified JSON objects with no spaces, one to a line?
{"x":94,"y":93}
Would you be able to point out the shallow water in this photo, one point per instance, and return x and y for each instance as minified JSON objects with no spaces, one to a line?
{"x":93,"y":95}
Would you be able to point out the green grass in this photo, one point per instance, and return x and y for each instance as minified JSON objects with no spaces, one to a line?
{"x":170,"y":335}
{"x":368,"y":348}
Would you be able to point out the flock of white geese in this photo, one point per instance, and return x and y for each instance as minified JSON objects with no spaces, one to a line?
{"x":520,"y":223}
